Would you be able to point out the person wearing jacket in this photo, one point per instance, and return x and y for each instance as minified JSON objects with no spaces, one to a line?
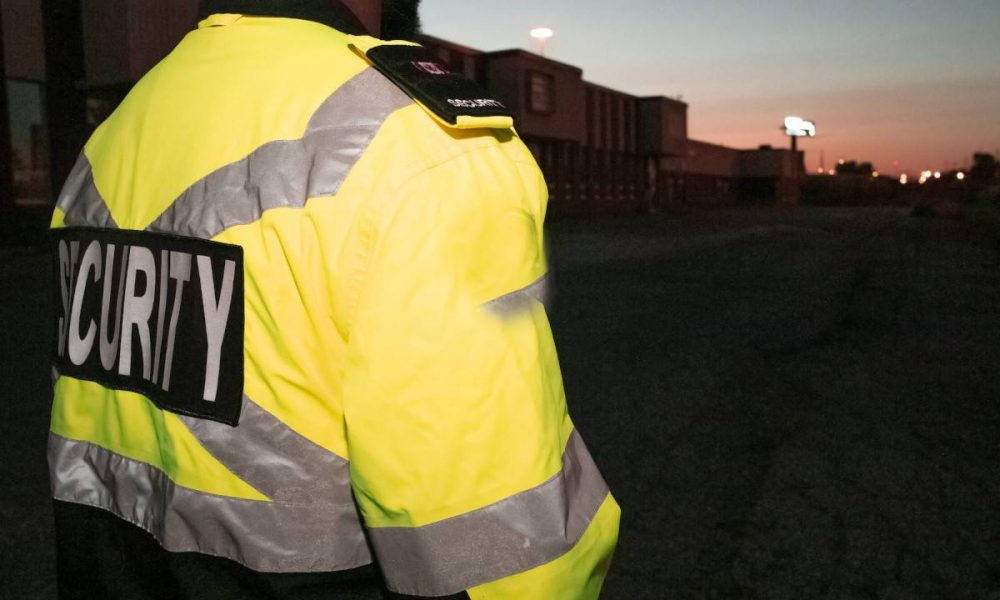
{"x":299,"y":279}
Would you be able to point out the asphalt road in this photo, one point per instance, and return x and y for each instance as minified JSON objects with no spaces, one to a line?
{"x":787,"y":404}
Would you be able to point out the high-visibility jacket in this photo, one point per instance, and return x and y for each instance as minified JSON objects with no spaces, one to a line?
{"x":300,"y":326}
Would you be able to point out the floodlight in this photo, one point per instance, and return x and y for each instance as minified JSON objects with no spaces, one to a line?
{"x":542,"y":34}
{"x":799,"y":127}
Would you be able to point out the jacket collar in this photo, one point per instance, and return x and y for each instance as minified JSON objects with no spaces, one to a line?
{"x":328,"y":12}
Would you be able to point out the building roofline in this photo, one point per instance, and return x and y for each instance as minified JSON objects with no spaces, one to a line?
{"x":533,"y":57}
{"x":634,"y":97}
{"x":762,"y":148}
{"x":662,"y":98}
{"x":467,"y":50}
{"x":451,"y":45}
{"x":691,"y":140}
{"x":605,"y":88}
{"x":499,"y":53}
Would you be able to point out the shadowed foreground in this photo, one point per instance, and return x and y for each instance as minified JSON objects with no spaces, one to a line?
{"x":790,"y":405}
{"x":793,"y":405}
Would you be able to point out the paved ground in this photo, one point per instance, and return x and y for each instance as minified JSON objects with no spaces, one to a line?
{"x":796,"y":405}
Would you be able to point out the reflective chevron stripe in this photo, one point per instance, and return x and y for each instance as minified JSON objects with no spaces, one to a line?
{"x":79,"y":200}
{"x":274,"y":459}
{"x":511,"y":536}
{"x":521,"y":300}
{"x":286,"y":173}
{"x":276,"y":537}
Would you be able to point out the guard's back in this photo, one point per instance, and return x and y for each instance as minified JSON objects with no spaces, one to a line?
{"x":272,"y":261}
{"x":201,"y":176}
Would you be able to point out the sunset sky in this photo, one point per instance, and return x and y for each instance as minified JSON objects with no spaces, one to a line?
{"x":912,"y":81}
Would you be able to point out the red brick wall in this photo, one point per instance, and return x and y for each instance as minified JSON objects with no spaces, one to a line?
{"x":507,"y":78}
{"x":23,"y":39}
{"x":126,"y":38}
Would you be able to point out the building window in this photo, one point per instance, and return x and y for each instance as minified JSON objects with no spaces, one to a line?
{"x":444,"y":55}
{"x":616,"y":123}
{"x":541,"y":93}
{"x":605,"y":116}
{"x":676,"y":125}
{"x":591,"y":121}
{"x":29,"y":143}
{"x":469,"y":68}
{"x":629,"y":126}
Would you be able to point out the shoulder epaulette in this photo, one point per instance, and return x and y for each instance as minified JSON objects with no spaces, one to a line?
{"x":451,"y":98}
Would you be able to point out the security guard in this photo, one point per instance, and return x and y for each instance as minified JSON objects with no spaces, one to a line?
{"x":298,"y":282}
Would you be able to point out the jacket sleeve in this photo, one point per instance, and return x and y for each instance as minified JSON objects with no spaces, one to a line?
{"x":464,"y":462}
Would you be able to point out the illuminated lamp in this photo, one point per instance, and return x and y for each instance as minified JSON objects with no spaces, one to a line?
{"x":796,"y":127}
{"x":542,"y":34}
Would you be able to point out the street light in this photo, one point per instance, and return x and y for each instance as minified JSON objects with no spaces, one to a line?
{"x":542,"y":34}
{"x":796,"y":127}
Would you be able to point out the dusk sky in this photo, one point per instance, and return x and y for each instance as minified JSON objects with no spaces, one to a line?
{"x":885,"y":80}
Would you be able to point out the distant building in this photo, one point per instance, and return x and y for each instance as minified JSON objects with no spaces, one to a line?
{"x":606,"y":151}
{"x":67,"y":63}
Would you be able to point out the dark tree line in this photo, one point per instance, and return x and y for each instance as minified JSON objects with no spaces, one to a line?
{"x":984,"y":168}
{"x":852,"y":167}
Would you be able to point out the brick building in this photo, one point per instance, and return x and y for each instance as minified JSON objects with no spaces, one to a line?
{"x":67,"y":63}
{"x":606,"y":151}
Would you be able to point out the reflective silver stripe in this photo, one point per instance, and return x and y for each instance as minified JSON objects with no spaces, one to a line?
{"x":273,"y":537}
{"x":522,"y":299}
{"x":509,"y":537}
{"x":273,"y":458}
{"x":286,"y":173}
{"x":81,"y":202}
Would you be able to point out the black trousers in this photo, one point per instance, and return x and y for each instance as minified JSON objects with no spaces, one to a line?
{"x":102,"y":557}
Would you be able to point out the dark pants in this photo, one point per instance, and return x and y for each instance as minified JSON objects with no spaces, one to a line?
{"x":101,"y":557}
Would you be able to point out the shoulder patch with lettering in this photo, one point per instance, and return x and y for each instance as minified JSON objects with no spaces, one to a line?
{"x":457,"y":101}
{"x":156,"y":314}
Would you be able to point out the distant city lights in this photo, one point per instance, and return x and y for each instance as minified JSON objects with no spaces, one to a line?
{"x":923,"y":178}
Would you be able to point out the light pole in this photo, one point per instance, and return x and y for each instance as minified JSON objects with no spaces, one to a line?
{"x":6,"y":172}
{"x":542,"y":34}
{"x":796,"y":127}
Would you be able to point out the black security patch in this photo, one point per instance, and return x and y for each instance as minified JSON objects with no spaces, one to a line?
{"x":424,"y":77}
{"x":156,"y":314}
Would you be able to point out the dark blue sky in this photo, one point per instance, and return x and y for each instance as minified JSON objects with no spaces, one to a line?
{"x":886,"y":80}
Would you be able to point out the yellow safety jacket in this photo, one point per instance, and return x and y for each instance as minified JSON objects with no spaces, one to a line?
{"x":300,"y":324}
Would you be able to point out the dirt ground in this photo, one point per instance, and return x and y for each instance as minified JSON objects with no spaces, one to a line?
{"x":799,"y":404}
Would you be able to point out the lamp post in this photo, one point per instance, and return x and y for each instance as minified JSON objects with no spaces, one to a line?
{"x":796,"y":127}
{"x":542,"y":34}
{"x":6,"y":172}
